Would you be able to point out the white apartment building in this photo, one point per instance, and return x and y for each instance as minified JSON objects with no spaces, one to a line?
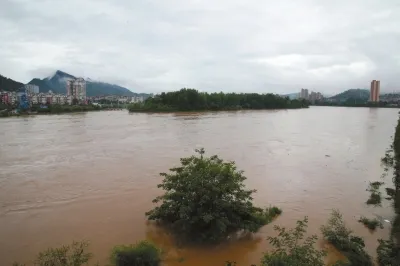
{"x":137,"y":99}
{"x":31,"y":89}
{"x":76,"y":89}
{"x":44,"y":98}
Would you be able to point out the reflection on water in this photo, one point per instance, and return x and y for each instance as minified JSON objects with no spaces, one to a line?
{"x":93,"y":176}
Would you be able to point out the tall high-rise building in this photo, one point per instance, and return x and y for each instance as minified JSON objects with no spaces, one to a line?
{"x":76,"y":89}
{"x":304,"y":94}
{"x":375,"y":91}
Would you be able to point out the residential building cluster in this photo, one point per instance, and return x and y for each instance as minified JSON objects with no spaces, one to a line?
{"x":11,"y":97}
{"x":312,"y":96}
{"x":76,"y":92}
{"x":116,"y":98}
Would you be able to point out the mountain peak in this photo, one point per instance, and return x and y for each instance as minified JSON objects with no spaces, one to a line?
{"x":57,"y":83}
{"x":59,"y":74}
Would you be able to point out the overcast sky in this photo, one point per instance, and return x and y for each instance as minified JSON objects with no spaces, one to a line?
{"x":212,"y":45}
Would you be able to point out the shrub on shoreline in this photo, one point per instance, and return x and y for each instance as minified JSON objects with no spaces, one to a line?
{"x":375,"y":198}
{"x":142,"y":254}
{"x":336,"y":233}
{"x":291,"y":249}
{"x":75,"y":254}
{"x":371,"y":224}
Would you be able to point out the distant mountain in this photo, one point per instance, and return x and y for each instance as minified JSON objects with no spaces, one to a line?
{"x":356,"y":94}
{"x":292,"y":96}
{"x":7,"y":84}
{"x":57,"y":83}
{"x":94,"y":88}
{"x":43,"y":86}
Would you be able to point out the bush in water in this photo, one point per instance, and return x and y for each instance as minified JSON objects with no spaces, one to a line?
{"x":372,"y":224}
{"x":336,"y":233}
{"x":75,"y":254}
{"x":205,"y":200}
{"x":142,"y":254}
{"x":291,"y":249}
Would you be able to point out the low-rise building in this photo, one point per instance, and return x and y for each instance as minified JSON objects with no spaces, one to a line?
{"x":8,"y":97}
{"x":137,"y":99}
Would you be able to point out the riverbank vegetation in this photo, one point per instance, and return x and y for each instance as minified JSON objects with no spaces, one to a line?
{"x":76,"y":254}
{"x":58,"y":109}
{"x":375,"y":197}
{"x":389,"y":250}
{"x":342,"y":238}
{"x":396,"y":182}
{"x":205,"y":201}
{"x":51,"y":109}
{"x":290,"y":248}
{"x":193,"y":100}
{"x":142,"y":254}
{"x":371,"y":224}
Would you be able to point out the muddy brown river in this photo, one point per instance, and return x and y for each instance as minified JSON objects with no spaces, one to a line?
{"x":92,"y":176}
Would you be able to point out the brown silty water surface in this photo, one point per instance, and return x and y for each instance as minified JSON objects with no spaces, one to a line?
{"x":92,"y":176}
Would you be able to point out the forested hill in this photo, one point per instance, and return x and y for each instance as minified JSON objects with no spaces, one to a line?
{"x":193,"y":100}
{"x":358,"y":94}
{"x":7,"y":84}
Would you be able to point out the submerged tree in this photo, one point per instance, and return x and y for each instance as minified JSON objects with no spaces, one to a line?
{"x":75,"y":254}
{"x":342,"y":238}
{"x":205,"y":200}
{"x":142,"y":254}
{"x":291,"y":249}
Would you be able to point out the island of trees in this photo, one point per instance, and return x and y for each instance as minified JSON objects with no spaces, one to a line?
{"x":193,"y":100}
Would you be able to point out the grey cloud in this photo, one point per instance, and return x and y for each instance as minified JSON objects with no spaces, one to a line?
{"x":253,"y":45}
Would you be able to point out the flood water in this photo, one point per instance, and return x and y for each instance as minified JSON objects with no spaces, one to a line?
{"x":93,"y":175}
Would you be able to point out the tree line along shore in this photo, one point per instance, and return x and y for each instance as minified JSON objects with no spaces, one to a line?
{"x":193,"y":100}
